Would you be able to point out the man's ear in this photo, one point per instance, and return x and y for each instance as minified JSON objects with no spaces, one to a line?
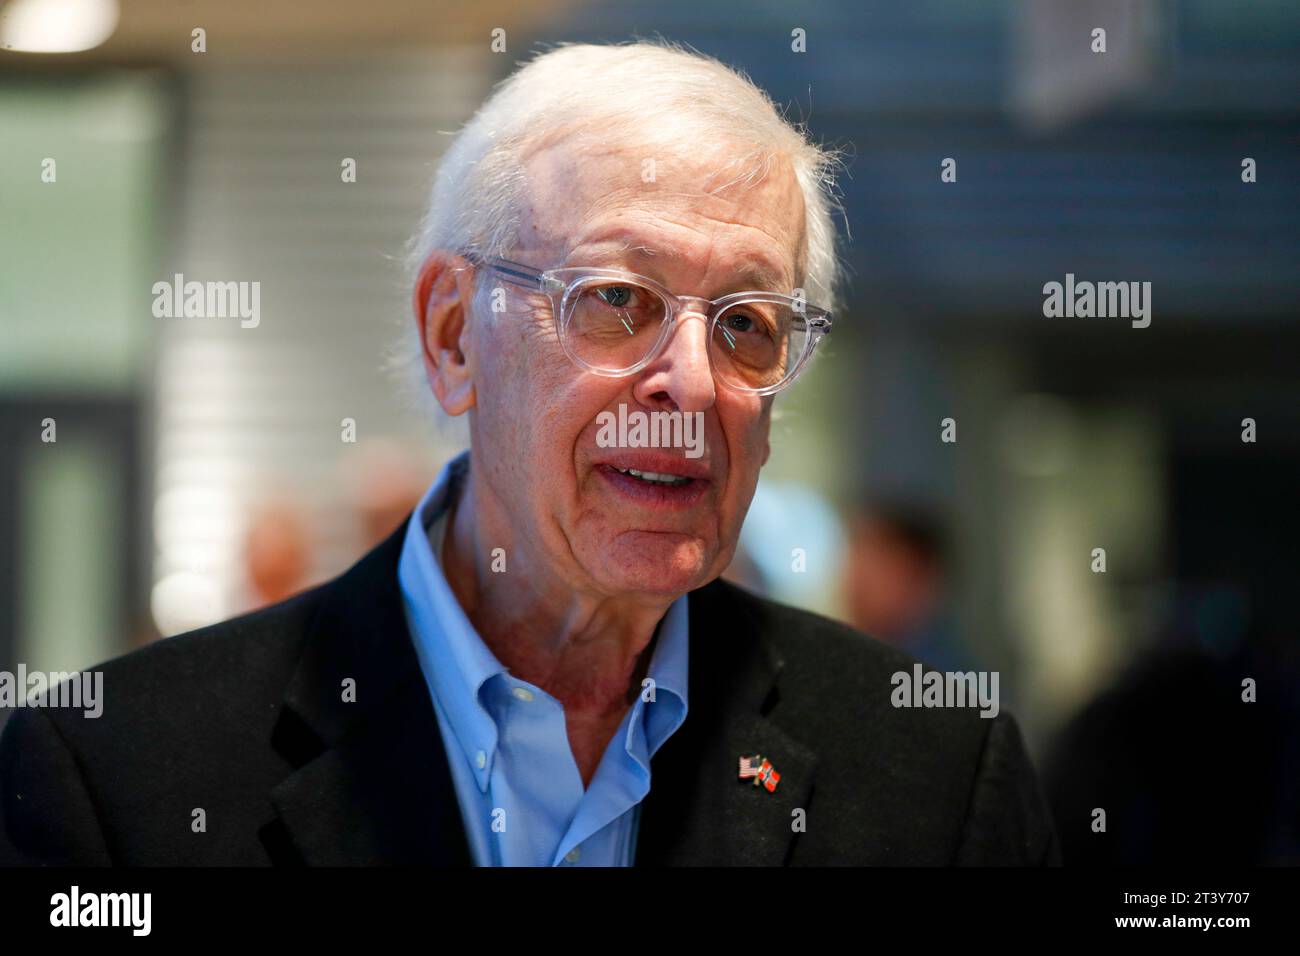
{"x":443,"y":291}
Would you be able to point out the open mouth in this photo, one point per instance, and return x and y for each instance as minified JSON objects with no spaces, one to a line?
{"x":661,"y":483}
{"x":655,"y":478}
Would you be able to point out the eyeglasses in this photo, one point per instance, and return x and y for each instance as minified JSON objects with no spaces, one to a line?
{"x":615,"y":323}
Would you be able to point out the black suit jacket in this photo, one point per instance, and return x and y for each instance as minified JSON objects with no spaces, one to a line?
{"x":246,"y":721}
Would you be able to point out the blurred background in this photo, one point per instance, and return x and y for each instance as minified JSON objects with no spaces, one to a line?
{"x":200,"y":468}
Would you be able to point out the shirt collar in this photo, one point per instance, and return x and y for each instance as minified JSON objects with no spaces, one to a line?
{"x":455,"y":661}
{"x":668,"y":669}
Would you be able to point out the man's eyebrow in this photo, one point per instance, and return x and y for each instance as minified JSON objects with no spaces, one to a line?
{"x":757,"y":275}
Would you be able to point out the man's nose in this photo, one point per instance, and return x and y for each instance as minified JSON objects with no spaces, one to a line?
{"x":680,"y":374}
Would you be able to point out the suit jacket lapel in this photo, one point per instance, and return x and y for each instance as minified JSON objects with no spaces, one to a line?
{"x":371,"y":784}
{"x":698,"y":812}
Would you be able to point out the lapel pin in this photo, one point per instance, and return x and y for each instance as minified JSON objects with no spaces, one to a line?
{"x":760,"y":770}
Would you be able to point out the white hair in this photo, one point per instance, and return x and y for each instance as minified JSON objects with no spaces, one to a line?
{"x":477,"y":193}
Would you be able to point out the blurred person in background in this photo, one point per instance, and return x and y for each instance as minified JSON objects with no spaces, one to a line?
{"x":385,"y":485}
{"x":895,"y":581}
{"x":1188,"y":771}
{"x":277,"y":553}
{"x":1192,"y":752}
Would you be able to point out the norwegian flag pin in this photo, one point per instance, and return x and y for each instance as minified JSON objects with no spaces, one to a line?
{"x":760,"y":770}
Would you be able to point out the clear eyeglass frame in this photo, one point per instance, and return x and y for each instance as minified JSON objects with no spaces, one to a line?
{"x":559,"y":285}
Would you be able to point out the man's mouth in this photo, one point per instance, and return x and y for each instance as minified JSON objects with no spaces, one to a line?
{"x":656,"y":480}
{"x":654,"y":477}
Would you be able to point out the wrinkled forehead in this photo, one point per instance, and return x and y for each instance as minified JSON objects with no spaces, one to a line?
{"x":691,"y":196}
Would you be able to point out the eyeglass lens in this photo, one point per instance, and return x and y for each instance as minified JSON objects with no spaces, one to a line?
{"x":612,"y":325}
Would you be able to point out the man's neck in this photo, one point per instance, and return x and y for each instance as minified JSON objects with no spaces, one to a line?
{"x":590,"y":652}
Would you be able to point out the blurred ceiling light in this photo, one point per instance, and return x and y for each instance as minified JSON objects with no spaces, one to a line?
{"x":56,"y":26}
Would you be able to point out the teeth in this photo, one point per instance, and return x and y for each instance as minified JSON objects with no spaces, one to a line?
{"x":654,"y":476}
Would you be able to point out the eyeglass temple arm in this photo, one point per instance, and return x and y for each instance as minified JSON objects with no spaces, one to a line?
{"x":819,"y":323}
{"x":515,"y":272}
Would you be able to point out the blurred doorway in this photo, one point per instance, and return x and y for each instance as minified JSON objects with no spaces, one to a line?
{"x":71,"y":545}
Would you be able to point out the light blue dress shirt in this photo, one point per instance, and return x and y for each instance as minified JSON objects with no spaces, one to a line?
{"x":521,"y":795}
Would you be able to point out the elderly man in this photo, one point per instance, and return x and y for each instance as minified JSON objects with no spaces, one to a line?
{"x":542,"y":667}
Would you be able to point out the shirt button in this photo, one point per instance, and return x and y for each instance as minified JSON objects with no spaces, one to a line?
{"x":572,"y":855}
{"x":523,"y":693}
{"x":480,"y":758}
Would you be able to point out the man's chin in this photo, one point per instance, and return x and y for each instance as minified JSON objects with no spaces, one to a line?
{"x":655,"y":563}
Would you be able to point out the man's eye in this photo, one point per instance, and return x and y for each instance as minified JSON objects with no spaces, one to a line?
{"x":617,"y":296}
{"x":739,"y":322}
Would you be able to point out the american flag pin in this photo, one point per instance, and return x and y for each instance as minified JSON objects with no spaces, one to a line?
{"x":759,"y":769}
